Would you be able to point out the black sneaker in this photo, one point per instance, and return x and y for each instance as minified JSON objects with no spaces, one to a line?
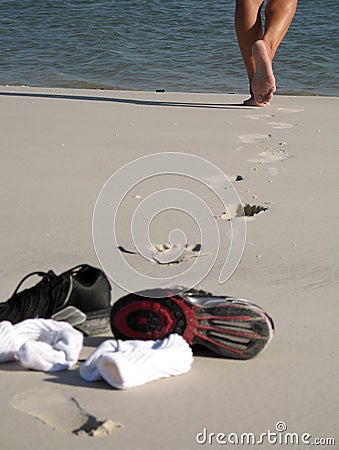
{"x":228,"y":326}
{"x":80,"y":296}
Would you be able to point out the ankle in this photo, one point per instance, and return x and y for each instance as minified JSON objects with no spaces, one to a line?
{"x":270,"y":48}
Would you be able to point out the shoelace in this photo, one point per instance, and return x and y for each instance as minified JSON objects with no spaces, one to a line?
{"x":45,"y":276}
{"x":48,"y":276}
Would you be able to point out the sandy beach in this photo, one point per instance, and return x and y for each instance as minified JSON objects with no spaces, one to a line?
{"x":59,"y":147}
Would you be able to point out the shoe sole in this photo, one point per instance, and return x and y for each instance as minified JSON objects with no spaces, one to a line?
{"x":236,"y":329}
{"x":97,"y":323}
{"x":90,"y":323}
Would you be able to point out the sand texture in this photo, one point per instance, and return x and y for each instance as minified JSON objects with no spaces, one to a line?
{"x":59,"y":147}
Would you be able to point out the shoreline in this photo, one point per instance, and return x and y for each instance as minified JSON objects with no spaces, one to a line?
{"x":158,"y":90}
{"x":58,"y":152}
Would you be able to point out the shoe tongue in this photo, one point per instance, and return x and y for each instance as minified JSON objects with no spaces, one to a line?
{"x":50,"y":273}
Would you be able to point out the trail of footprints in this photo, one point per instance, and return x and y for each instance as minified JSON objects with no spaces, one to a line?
{"x":164,"y":253}
{"x":268,"y":155}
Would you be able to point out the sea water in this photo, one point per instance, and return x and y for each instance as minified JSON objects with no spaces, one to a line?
{"x":176,"y":45}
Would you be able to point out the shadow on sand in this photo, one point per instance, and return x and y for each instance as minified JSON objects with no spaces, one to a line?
{"x":126,"y":100}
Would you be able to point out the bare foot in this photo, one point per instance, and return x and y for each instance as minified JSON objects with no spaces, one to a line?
{"x":263,"y":83}
{"x":251,"y":102}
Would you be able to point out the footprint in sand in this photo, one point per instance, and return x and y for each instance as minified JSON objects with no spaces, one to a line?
{"x":281,"y":125}
{"x":290,"y":110}
{"x":254,"y":138}
{"x":61,"y":413}
{"x":248,"y":211}
{"x":168,"y":253}
{"x":259,"y":116}
{"x":267,"y":156}
{"x":175,"y":253}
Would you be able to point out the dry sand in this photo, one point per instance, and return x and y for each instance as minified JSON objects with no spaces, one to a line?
{"x":58,"y":147}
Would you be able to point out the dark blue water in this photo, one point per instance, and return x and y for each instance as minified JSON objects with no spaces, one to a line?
{"x":145,"y":45}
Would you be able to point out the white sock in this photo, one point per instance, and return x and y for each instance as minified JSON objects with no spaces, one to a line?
{"x":9,"y":343}
{"x":51,"y":345}
{"x":126,"y":364}
{"x":41,"y":356}
{"x":89,"y":370}
{"x":42,"y":344}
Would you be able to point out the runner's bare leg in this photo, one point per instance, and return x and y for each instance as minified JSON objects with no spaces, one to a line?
{"x":258,"y":47}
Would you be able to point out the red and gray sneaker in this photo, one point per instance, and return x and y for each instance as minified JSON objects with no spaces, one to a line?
{"x":80,"y":296}
{"x":228,"y":326}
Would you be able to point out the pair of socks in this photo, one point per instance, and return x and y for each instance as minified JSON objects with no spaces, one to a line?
{"x":40,"y":344}
{"x":127,"y":364}
{"x":50,"y":346}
